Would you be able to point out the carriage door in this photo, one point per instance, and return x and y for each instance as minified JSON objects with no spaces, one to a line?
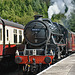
{"x":73,"y":42}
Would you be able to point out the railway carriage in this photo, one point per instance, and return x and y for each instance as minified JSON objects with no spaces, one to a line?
{"x":9,"y":39}
{"x":73,"y":42}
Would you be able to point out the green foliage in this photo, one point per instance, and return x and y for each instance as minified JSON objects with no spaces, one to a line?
{"x":58,"y":17}
{"x":22,"y":11}
{"x":71,"y":22}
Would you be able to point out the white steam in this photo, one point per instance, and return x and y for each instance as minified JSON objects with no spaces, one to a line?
{"x":59,"y":6}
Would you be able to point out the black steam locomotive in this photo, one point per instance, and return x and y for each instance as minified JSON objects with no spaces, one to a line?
{"x":44,"y":41}
{"x":44,"y":34}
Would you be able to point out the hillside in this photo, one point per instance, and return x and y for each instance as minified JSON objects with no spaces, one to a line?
{"x":22,"y":11}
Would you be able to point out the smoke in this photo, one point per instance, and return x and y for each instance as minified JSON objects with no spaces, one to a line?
{"x":60,"y":6}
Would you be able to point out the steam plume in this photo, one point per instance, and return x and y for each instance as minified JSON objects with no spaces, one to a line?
{"x":59,"y":6}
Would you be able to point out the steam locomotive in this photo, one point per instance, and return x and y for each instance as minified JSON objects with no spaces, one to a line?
{"x":44,"y":41}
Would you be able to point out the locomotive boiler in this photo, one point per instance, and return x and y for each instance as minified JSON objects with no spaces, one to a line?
{"x":44,"y":41}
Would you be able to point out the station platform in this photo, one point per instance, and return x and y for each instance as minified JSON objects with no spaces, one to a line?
{"x":65,"y":66}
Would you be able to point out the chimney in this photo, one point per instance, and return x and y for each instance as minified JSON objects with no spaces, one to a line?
{"x":38,"y":17}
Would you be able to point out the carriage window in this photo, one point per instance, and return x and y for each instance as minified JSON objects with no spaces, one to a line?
{"x":0,"y":34}
{"x":15,"y":36}
{"x":20,"y":36}
{"x":7,"y":35}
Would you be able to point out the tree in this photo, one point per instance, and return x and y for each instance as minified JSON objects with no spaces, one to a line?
{"x":44,"y":9}
{"x":71,"y":22}
{"x":22,"y":11}
{"x":30,"y":10}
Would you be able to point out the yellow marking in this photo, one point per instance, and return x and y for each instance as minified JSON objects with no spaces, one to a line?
{"x":28,"y":65}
